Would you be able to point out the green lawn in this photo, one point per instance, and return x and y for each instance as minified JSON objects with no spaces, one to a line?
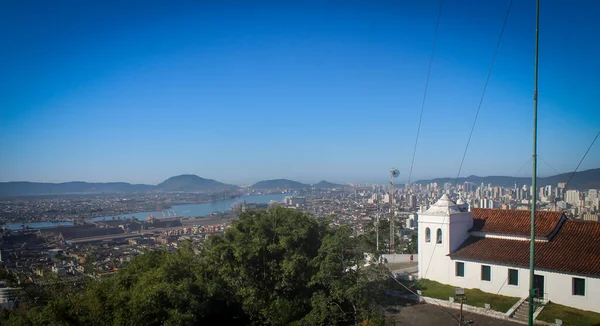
{"x":569,"y":316}
{"x":475,"y":297}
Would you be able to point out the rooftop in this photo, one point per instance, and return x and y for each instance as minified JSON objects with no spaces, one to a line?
{"x":514,"y":222}
{"x":445,"y":206}
{"x":574,"y":249}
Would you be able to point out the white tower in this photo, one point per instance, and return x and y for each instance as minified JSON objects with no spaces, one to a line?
{"x":442,"y":229}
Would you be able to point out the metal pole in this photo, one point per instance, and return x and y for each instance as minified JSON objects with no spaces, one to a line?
{"x":392,"y":231}
{"x":534,"y":168}
{"x":377,"y":233}
{"x":462,"y":300}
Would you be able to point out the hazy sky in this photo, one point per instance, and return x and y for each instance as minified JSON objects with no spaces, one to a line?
{"x":310,"y":90}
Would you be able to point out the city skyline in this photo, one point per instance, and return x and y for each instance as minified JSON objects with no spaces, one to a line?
{"x":304,"y":92}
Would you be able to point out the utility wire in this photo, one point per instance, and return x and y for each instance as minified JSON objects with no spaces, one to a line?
{"x":476,"y":115}
{"x":584,"y":155}
{"x":548,"y":164}
{"x":484,"y":89}
{"x":437,"y":26}
{"x":522,"y":166}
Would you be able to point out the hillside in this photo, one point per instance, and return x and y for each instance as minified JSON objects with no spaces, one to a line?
{"x":193,"y":183}
{"x":188,"y":183}
{"x":588,"y":179}
{"x":327,"y":185}
{"x":75,"y":187}
{"x":279,"y":184}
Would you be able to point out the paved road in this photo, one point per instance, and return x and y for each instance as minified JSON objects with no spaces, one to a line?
{"x":427,"y":314}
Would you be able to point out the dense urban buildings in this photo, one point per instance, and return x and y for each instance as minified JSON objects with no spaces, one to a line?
{"x":99,"y":248}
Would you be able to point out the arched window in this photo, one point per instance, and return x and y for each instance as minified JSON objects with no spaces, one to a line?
{"x":439,"y":236}
{"x":427,"y":235}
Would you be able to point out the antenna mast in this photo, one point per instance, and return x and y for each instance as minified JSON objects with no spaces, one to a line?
{"x":377,"y":222}
{"x":534,"y":169}
{"x":394,"y":173}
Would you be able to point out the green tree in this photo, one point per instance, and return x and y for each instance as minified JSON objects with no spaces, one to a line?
{"x":368,"y":240}
{"x":271,"y":267}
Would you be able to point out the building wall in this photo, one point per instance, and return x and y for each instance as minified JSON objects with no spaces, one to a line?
{"x":557,"y":286}
{"x":434,"y":263}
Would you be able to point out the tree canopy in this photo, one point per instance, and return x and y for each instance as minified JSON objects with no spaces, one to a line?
{"x":273,"y":267}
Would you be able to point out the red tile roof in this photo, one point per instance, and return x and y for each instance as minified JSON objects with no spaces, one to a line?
{"x":514,"y":222}
{"x":574,"y":249}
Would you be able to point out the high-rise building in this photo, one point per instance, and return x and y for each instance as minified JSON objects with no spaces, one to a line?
{"x":518,"y":193}
{"x":572,"y":197}
{"x":386,"y":198}
{"x":447,"y":186}
{"x":468,"y":186}
{"x":558,"y":192}
{"x":496,"y":192}
{"x":412,"y":201}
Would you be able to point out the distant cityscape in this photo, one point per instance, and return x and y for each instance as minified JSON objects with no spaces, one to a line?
{"x":96,"y":248}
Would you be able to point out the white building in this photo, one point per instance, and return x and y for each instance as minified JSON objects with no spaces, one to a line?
{"x":294,"y":201}
{"x":411,"y":221}
{"x":572,"y":197}
{"x":593,"y":194}
{"x":489,"y":249}
{"x":386,"y":198}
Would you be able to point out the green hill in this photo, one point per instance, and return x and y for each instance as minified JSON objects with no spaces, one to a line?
{"x":279,"y":184}
{"x":327,"y":185}
{"x":194,"y":183}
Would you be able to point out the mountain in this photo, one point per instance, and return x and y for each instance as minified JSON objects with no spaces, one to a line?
{"x":588,"y":179}
{"x":327,"y":185}
{"x":75,"y":187}
{"x":193,"y":183}
{"x":279,"y":184}
{"x":188,"y":183}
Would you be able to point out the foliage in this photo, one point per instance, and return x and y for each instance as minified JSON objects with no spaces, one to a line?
{"x":475,"y":297}
{"x":368,"y":240}
{"x":569,"y":316}
{"x":413,"y":245}
{"x":271,"y":267}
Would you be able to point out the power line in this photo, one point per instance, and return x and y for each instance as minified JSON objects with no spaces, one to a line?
{"x":437,"y":25}
{"x":484,"y":89}
{"x":522,"y":166}
{"x":548,"y":164}
{"x":584,"y":155}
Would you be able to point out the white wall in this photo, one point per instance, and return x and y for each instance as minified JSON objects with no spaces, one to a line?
{"x":460,"y":224}
{"x":433,"y":259}
{"x":434,"y":264}
{"x":557,"y":286}
{"x":559,"y":289}
{"x":400,"y":258}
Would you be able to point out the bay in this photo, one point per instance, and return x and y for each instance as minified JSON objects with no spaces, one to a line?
{"x":188,"y":210}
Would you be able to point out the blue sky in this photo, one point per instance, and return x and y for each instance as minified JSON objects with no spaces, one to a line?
{"x":311,"y":90}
